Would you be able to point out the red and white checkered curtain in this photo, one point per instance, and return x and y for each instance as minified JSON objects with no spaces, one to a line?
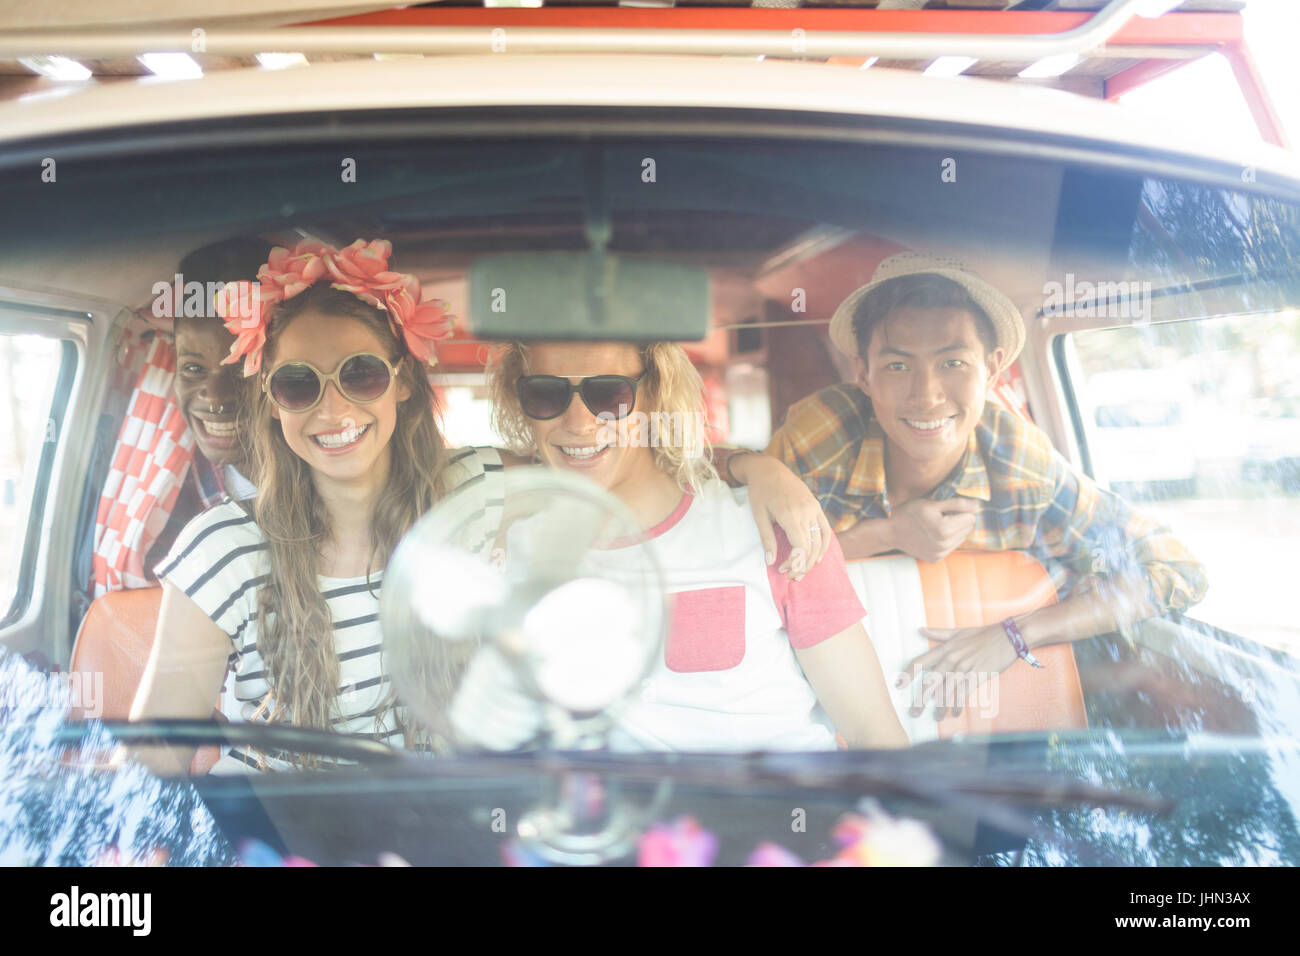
{"x":150,"y":464}
{"x":1010,"y":392}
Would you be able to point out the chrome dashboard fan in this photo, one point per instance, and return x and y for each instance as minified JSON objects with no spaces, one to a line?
{"x":524,"y":621}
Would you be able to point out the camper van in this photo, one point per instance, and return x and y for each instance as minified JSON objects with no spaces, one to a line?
{"x":748,"y":169}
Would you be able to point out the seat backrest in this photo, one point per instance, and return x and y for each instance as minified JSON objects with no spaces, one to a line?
{"x":113,"y":646}
{"x":969,"y":589}
{"x":114,"y":641}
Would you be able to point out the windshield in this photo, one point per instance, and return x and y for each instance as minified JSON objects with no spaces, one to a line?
{"x":1088,"y":432}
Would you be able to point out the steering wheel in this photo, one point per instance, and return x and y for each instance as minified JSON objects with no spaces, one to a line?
{"x":200,"y":733}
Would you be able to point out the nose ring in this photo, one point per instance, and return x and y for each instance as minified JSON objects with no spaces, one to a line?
{"x":216,"y":409}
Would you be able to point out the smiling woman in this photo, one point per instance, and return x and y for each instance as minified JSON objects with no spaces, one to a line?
{"x":343,"y":433}
{"x":345,"y":463}
{"x":749,"y":656}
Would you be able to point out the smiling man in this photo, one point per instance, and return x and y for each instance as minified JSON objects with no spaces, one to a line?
{"x":207,"y":392}
{"x":156,"y":481}
{"x":913,"y":458}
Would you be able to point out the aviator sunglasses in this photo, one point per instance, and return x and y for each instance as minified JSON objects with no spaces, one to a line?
{"x":543,"y":397}
{"x":362,"y":378}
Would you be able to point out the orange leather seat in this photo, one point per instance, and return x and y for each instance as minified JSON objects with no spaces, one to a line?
{"x":969,"y":589}
{"x":113,"y":646}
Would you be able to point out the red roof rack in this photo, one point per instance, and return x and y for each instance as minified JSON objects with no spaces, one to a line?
{"x":1117,"y":51}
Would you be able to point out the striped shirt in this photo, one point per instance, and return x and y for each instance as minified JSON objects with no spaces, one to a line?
{"x":221,"y":561}
{"x":1033,"y":500}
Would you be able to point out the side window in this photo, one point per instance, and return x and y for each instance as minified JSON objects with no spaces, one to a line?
{"x":35,"y":375}
{"x":1198,"y":422}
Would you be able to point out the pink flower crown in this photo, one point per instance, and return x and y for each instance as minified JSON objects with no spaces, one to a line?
{"x":361,"y":268}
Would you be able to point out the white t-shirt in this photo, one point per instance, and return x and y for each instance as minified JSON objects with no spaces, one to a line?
{"x":221,"y":561}
{"x":728,"y":678}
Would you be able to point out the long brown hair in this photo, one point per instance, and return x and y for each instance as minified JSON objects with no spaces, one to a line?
{"x":295,"y":632}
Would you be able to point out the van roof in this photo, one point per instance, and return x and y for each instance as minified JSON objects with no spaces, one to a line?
{"x":623,"y":81}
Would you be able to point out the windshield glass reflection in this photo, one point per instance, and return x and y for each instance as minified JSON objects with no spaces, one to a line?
{"x":59,"y":809}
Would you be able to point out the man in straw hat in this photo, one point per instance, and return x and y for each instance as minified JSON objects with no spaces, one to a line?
{"x":912,"y":458}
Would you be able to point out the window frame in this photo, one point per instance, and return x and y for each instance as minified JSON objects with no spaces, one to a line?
{"x":68,"y":365}
{"x":38,"y":624}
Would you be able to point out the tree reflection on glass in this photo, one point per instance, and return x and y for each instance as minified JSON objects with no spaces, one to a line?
{"x":57,"y":809}
{"x":1187,"y":737}
{"x":1187,"y":232}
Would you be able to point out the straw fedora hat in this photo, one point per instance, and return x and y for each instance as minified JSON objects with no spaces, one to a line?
{"x":1008,"y":326}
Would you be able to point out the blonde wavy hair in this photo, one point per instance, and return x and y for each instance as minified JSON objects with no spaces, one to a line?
{"x":670,"y":386}
{"x":295,"y":631}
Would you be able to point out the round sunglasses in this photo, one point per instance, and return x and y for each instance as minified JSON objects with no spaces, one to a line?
{"x":543,"y":397}
{"x":362,"y":378}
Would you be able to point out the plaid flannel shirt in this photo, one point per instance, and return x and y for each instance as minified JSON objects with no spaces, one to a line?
{"x":208,"y":481}
{"x":1033,"y":500}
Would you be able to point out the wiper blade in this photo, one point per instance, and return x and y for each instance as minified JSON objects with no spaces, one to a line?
{"x":200,"y":733}
{"x":879,"y":773}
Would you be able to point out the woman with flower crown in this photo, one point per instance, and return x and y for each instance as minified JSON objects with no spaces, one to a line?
{"x":346,"y":456}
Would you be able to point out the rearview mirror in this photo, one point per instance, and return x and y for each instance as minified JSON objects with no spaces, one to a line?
{"x":586,"y":296}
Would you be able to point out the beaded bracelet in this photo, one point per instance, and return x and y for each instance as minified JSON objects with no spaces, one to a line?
{"x":1017,"y":640}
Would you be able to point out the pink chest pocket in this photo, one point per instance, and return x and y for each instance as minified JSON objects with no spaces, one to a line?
{"x":708,"y":630}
